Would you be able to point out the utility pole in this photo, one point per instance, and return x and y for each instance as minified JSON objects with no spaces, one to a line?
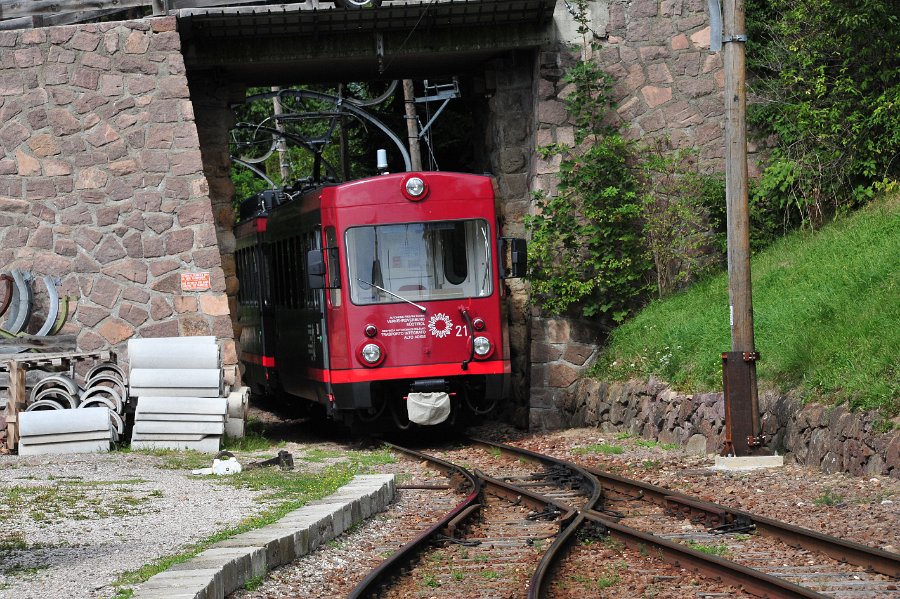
{"x":280,"y":145}
{"x":742,"y":420}
{"x":412,"y":125}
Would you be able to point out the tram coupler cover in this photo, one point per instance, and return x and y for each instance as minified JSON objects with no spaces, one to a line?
{"x":428,"y":408}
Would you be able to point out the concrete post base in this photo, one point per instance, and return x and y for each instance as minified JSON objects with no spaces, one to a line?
{"x":732,"y":463}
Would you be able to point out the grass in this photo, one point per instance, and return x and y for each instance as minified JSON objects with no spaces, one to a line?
{"x":254,"y":583}
{"x":829,"y":498}
{"x":253,"y":439}
{"x":718,"y":549}
{"x":66,"y":499}
{"x":824,"y":304}
{"x":599,"y":448}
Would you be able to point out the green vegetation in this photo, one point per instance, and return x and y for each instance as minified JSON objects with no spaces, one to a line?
{"x":253,"y":439}
{"x":719,"y":549}
{"x":586,"y":253}
{"x":824,"y":304}
{"x":429,"y":579}
{"x":489,"y":574}
{"x":829,"y":498}
{"x":599,"y":448}
{"x":254,"y":583}
{"x":826,"y":75}
{"x":650,"y":443}
{"x":65,"y":499}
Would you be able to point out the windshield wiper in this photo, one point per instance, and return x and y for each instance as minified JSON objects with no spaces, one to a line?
{"x":400,"y":297}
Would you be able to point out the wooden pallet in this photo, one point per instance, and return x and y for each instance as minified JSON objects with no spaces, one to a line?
{"x":17,"y":364}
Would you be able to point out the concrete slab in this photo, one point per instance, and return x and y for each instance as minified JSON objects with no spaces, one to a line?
{"x":52,"y":422}
{"x":175,"y":377}
{"x":227,"y":565}
{"x":181,"y":405}
{"x":210,"y":444}
{"x":174,"y":392}
{"x":149,"y":416}
{"x":94,"y":446}
{"x":748,"y":462}
{"x":179,"y":428}
{"x":174,"y":352}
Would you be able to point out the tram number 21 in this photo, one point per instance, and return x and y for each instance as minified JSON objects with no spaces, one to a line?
{"x":461,"y":330}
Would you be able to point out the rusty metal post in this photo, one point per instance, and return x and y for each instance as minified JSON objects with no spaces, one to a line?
{"x":741,"y":395}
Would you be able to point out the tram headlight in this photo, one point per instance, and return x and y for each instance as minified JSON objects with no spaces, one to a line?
{"x":482,"y":346}
{"x":415,"y":188}
{"x":371,"y":353}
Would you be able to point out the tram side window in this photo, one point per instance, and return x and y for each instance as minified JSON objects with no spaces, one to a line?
{"x":333,"y":266}
{"x":293,"y":299}
{"x":310,"y":241}
{"x":248,"y":291}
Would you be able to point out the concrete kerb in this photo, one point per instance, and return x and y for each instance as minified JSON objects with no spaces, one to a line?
{"x":228,"y":565}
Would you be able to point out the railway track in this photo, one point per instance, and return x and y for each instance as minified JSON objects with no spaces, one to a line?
{"x":530,"y":525}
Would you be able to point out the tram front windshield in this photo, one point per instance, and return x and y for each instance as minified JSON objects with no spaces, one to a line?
{"x":419,"y":261}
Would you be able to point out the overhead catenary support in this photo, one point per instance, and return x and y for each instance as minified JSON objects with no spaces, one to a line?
{"x":741,"y":395}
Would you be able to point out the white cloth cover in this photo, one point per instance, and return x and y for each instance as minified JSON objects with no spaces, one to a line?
{"x":428,"y":408}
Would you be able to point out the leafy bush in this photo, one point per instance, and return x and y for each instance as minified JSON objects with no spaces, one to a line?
{"x":586,"y":247}
{"x":826,"y":87}
{"x":673,"y":209}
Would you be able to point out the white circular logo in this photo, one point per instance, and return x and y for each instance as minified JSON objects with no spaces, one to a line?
{"x":440,"y":325}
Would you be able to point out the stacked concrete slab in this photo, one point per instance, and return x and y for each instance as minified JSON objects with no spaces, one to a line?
{"x":86,"y":430}
{"x":196,"y":423}
{"x":175,"y":367}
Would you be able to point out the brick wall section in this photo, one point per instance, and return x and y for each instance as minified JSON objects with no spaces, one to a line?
{"x":101,"y":180}
{"x":831,"y":438}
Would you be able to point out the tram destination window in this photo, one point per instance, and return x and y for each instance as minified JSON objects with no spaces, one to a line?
{"x":419,"y":261}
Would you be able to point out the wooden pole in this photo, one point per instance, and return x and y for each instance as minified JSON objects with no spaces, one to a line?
{"x":280,"y":145}
{"x":745,"y":402}
{"x":412,"y":125}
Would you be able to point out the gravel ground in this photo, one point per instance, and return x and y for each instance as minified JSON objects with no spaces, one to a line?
{"x":72,"y":524}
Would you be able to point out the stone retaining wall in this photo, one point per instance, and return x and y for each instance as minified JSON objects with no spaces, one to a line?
{"x":831,"y":438}
{"x":102,"y":183}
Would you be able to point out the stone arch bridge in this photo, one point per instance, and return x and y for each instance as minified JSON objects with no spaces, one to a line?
{"x":113,"y":148}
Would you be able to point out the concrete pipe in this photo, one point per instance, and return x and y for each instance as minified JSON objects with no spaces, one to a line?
{"x":106,"y":381}
{"x":44,"y":404}
{"x":107,"y":369}
{"x":60,"y":396}
{"x":60,"y":381}
{"x":106,"y":393}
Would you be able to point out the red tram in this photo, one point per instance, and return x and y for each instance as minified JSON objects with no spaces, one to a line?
{"x":381,"y":299}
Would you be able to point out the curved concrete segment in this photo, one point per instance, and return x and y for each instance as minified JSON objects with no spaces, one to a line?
{"x":227,"y":565}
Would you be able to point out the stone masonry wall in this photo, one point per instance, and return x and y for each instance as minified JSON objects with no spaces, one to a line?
{"x":831,"y":438}
{"x":666,"y":84}
{"x":509,"y":138}
{"x":101,"y":180}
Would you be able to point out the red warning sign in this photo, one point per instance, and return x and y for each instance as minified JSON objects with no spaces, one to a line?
{"x":194,"y":281}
